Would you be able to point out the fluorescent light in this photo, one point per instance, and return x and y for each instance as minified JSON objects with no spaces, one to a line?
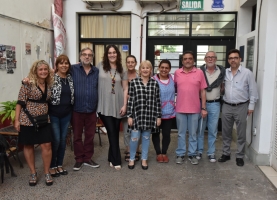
{"x":198,"y":27}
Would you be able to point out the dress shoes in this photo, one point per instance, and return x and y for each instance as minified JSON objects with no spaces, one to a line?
{"x":240,"y":162}
{"x":224,"y":158}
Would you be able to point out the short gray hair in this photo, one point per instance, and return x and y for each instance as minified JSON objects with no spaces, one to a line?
{"x":87,"y":48}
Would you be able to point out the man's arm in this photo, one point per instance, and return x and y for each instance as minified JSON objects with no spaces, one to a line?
{"x":203,"y":103}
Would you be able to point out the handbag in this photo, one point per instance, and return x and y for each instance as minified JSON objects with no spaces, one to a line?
{"x":38,"y":121}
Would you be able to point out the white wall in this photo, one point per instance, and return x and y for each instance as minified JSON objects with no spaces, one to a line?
{"x":16,"y":34}
{"x":73,"y":7}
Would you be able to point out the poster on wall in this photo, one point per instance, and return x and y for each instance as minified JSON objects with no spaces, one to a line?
{"x":27,"y":48}
{"x":7,"y":58}
{"x":3,"y":60}
{"x":250,"y":53}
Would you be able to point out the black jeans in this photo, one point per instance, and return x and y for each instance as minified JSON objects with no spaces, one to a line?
{"x":166,"y":129}
{"x":112,"y":125}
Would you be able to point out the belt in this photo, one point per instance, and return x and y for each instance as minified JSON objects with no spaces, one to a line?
{"x":235,"y":104}
{"x":212,"y":101}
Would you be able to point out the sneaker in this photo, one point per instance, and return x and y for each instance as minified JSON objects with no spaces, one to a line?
{"x":193,"y":160}
{"x":199,"y":156}
{"x":77,"y":166}
{"x":180,"y":159}
{"x":91,"y":163}
{"x":212,"y":158}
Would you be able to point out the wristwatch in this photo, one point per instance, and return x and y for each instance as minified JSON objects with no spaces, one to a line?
{"x":204,"y":109}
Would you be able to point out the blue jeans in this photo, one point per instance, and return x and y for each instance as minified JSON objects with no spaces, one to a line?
{"x":211,"y":121}
{"x":59,"y":127}
{"x":187,"y":122}
{"x":145,"y":141}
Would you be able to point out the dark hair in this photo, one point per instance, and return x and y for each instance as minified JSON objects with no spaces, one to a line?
{"x":188,"y":52}
{"x":106,"y":63}
{"x":233,"y":51}
{"x":165,"y":61}
{"x":131,"y":56}
{"x":60,"y":59}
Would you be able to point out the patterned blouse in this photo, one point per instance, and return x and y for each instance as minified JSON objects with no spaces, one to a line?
{"x":144,"y":104}
{"x":35,"y":109}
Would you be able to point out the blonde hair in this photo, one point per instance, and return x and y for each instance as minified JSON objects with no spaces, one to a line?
{"x":33,"y":73}
{"x":147,"y":63}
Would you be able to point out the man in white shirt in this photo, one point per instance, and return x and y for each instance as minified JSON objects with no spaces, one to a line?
{"x":239,"y":102}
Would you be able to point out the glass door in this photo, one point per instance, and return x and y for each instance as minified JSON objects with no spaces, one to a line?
{"x":220,"y":47}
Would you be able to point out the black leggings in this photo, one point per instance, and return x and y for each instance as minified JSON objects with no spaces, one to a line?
{"x":112,"y":125}
{"x":166,"y":129}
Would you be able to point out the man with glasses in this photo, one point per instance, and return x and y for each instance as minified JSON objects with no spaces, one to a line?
{"x":239,"y":102}
{"x":214,"y":75}
{"x":85,"y":80}
{"x":189,"y":81}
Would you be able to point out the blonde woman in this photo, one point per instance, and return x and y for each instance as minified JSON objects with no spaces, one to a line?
{"x":32,"y":102}
{"x":144,"y":112}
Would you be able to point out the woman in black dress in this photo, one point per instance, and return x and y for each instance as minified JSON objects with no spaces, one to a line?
{"x":33,"y":97}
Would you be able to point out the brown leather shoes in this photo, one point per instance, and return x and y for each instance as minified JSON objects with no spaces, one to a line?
{"x":165,"y":158}
{"x":160,"y":158}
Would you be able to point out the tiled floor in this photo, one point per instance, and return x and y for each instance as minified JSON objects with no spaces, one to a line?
{"x":270,"y":173}
{"x":166,"y":181}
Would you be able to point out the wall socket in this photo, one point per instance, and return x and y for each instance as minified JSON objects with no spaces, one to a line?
{"x":255,"y":131}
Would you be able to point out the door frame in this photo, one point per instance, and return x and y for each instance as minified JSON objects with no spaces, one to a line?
{"x":189,"y":44}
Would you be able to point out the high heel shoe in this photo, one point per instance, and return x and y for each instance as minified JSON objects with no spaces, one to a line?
{"x":33,"y":179}
{"x":131,"y":166}
{"x":48,"y":179}
{"x":144,"y":167}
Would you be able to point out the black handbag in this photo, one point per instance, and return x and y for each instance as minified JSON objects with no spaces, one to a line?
{"x":38,"y":121}
{"x":41,"y":120}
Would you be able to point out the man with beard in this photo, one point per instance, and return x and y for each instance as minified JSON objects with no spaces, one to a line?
{"x":85,"y":80}
{"x":214,"y":75}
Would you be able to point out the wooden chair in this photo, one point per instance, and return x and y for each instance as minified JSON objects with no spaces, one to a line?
{"x":99,"y":129}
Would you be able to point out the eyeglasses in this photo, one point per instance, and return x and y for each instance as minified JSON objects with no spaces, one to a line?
{"x":89,"y":55}
{"x":210,"y":57}
{"x":233,"y":58}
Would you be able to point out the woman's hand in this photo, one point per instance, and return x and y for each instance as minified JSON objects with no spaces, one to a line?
{"x":123,"y":110}
{"x":159,"y":121}
{"x":130,"y":121}
{"x":17,"y":125}
{"x":26,"y":80}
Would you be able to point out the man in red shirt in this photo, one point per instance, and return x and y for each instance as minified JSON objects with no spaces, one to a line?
{"x":191,"y":84}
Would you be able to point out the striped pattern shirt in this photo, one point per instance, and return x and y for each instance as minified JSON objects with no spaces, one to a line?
{"x":85,"y":88}
{"x":144,"y":104}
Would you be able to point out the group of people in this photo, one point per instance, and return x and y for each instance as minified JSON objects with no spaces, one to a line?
{"x":77,"y":93}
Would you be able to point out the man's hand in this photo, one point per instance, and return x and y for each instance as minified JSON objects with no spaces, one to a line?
{"x":204,"y":113}
{"x":250,"y":112}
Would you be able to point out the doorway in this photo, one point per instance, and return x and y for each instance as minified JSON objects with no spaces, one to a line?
{"x":172,"y":49}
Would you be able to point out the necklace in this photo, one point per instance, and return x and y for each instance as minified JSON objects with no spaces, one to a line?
{"x":63,"y":80}
{"x":113,"y":81}
{"x":41,"y":83}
